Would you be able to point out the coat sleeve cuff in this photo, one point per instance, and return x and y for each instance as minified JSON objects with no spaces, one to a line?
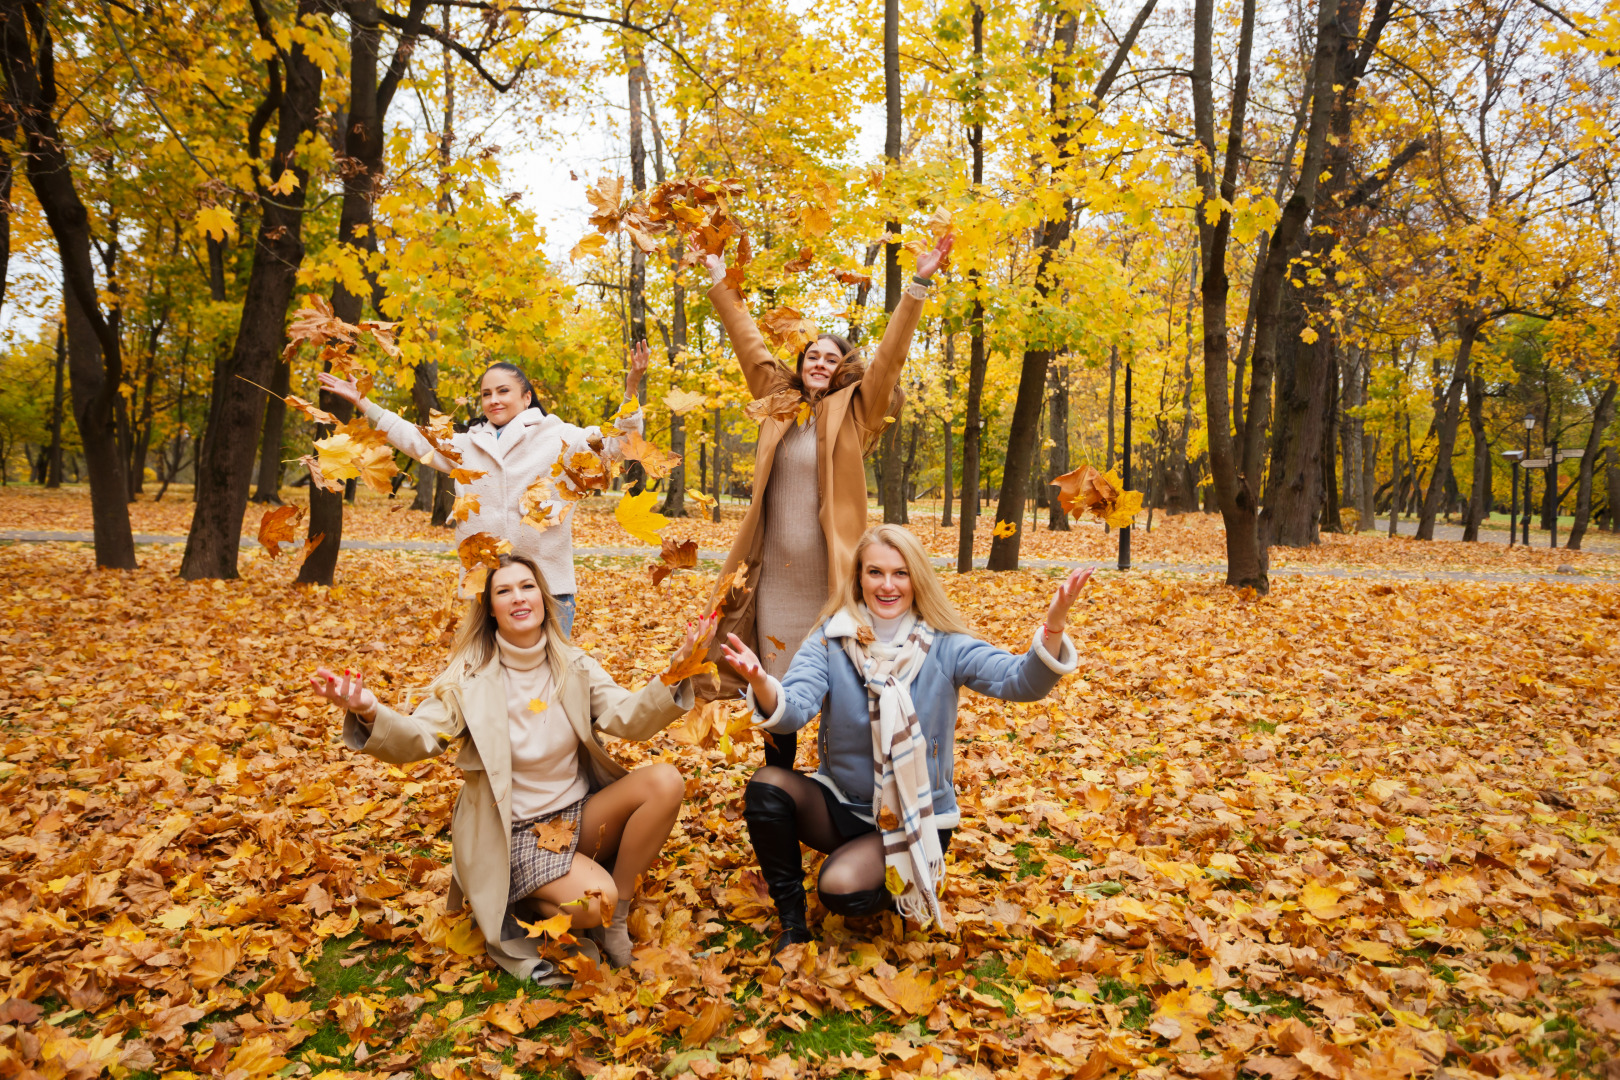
{"x":1067,"y":659}
{"x":769,"y":723}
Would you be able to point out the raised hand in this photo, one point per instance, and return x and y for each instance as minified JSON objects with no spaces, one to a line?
{"x":348,"y":691}
{"x":639,"y":358}
{"x":745,"y":663}
{"x":717,"y":268}
{"x":930,"y":261}
{"x":1057,"y":614}
{"x":343,"y":388}
{"x":697,"y":637}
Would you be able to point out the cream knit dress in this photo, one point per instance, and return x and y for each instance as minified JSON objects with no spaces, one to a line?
{"x":793,"y":565}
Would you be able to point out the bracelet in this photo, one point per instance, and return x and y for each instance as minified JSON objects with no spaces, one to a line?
{"x":924,"y":282}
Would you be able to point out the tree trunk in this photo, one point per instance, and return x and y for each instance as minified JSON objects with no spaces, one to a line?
{"x":363,"y":145}
{"x":1058,"y":459}
{"x":275,"y":422}
{"x":1350,"y":428}
{"x":53,"y":454}
{"x":1479,"y":490}
{"x":972,"y":423}
{"x":1326,"y":454}
{"x":1024,"y":436}
{"x":436,"y":491}
{"x":1446,"y":420}
{"x":225,"y":465}
{"x":95,"y":359}
{"x":635,"y":476}
{"x":1601,"y":417}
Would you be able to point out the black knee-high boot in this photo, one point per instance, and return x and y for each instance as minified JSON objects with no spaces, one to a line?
{"x":781,"y":750}
{"x":774,"y":832}
{"x":862,"y":902}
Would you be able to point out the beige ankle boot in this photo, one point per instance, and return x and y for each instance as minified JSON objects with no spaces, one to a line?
{"x":616,"y":936}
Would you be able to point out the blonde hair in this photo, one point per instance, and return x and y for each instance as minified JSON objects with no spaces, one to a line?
{"x":928,"y":597}
{"x":474,"y":644}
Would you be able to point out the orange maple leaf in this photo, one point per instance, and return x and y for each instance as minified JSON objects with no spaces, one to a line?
{"x":276,"y":528}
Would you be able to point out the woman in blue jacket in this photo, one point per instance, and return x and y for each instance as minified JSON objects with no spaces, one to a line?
{"x":884,"y":671}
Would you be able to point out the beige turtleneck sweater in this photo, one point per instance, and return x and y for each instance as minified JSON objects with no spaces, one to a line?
{"x":545,"y":751}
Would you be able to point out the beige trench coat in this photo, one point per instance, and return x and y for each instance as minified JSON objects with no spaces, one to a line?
{"x":481,"y":828}
{"x":848,"y":423}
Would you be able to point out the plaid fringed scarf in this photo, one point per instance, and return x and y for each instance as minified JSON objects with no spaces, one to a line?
{"x":902,"y":797}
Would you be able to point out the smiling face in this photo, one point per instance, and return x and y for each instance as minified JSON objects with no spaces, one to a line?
{"x":502,"y":396}
{"x":885,"y":582}
{"x":517,"y":604}
{"x":821,"y":359}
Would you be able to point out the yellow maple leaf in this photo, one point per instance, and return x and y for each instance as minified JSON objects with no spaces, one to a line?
{"x":215,"y":222}
{"x":1125,"y":510}
{"x":590,"y":244}
{"x":1187,"y":1007}
{"x":681,"y":402}
{"x":466,"y":506}
{"x":286,"y":183}
{"x":536,"y":705}
{"x":1005,"y":528}
{"x":636,"y":514}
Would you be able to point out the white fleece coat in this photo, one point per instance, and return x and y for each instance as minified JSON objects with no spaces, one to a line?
{"x":527,"y":447}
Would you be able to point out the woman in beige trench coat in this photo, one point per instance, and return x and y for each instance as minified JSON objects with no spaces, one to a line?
{"x":809,"y":500}
{"x":532,"y":709}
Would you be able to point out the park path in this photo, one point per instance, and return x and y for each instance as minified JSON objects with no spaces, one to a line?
{"x":1595,"y":541}
{"x":1589,"y":577}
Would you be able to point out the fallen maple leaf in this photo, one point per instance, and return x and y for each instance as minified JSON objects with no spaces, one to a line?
{"x":786,"y":329}
{"x":681,"y":402}
{"x":1102,"y":495}
{"x":1005,"y":528}
{"x":657,"y":461}
{"x":276,"y":527}
{"x":555,"y":835}
{"x":480,"y":549}
{"x":465,"y":507}
{"x":782,"y":405}
{"x":636,"y":514}
{"x":800,"y":262}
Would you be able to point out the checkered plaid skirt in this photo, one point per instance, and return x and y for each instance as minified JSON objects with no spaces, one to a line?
{"x":533,"y":865}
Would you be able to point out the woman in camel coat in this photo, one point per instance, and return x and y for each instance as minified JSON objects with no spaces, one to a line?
{"x":809,"y":500}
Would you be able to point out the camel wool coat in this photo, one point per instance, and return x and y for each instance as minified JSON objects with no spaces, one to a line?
{"x":848,"y":423}
{"x":481,"y":827}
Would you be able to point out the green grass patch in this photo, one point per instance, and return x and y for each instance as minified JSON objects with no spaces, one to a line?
{"x":1028,"y":865}
{"x":1132,"y":1001}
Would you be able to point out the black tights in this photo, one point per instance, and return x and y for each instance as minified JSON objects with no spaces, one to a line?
{"x":851,"y":879}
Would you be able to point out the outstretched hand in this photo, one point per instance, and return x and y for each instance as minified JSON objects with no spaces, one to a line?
{"x":342,"y":388}
{"x":1057,"y":614}
{"x":639,"y":358}
{"x":929,"y":262}
{"x":745,"y":663}
{"x":349,"y":691}
{"x":697,"y":640}
{"x":717,"y":268}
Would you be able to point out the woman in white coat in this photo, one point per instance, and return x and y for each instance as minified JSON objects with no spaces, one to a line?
{"x":511,"y":443}
{"x":545,"y":812}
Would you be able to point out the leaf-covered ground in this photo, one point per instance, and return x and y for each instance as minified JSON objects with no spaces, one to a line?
{"x":1189,"y":539}
{"x":1353,"y":829}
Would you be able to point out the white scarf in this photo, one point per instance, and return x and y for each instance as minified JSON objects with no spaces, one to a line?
{"x":902,"y":796}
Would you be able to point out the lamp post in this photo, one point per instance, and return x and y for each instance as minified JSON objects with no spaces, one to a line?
{"x":1529,"y":425}
{"x":1513,"y":514}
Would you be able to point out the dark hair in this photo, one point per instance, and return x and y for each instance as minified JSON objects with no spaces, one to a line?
{"x":523,"y":381}
{"x":849,"y":372}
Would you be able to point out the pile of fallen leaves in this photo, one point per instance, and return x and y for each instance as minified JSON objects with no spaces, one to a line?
{"x":1352,"y":829}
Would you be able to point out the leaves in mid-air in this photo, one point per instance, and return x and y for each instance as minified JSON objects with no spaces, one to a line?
{"x":276,"y":528}
{"x":636,"y":514}
{"x":1101,"y":495}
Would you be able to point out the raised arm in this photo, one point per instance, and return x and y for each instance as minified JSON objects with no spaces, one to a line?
{"x":373,"y":728}
{"x":871,"y":405}
{"x":401,"y":434}
{"x":999,"y":674}
{"x":764,"y":374}
{"x":638,"y":715}
{"x":783,"y":707}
